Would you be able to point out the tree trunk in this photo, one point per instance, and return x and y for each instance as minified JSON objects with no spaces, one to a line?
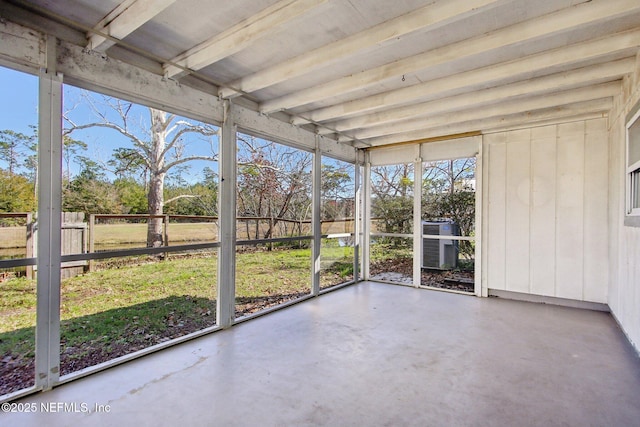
{"x":155,"y":196}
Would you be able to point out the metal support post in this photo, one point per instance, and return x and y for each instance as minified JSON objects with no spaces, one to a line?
{"x":357,"y":223}
{"x":227,"y":221}
{"x":480,"y":287}
{"x":366,"y":220}
{"x":49,"y":222}
{"x":316,"y":226}
{"x":417,"y":220}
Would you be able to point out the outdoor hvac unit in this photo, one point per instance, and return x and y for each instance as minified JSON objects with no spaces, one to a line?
{"x":440,"y":254}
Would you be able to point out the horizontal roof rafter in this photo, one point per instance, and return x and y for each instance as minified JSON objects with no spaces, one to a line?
{"x":127,"y":17}
{"x":238,"y":36}
{"x":564,"y":57}
{"x":570,"y":112}
{"x":428,"y":17}
{"x":585,"y":76}
{"x":532,"y":103}
{"x":527,"y":31}
{"x":472,"y":66}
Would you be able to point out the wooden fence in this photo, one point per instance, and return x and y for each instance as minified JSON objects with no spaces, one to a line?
{"x":73,"y":235}
{"x":74,"y":241}
{"x":79,"y":236}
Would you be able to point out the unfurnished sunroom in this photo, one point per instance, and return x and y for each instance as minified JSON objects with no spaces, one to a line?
{"x":173,"y":168}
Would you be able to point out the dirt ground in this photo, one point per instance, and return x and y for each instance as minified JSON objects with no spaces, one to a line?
{"x":402,"y":271}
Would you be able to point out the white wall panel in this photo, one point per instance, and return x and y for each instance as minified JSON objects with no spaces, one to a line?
{"x":518,"y":193}
{"x":429,"y":151}
{"x":547,"y":201}
{"x":450,"y":149}
{"x":624,"y":241}
{"x":596,"y":273}
{"x":496,"y":199}
{"x":570,"y":211}
{"x":543,"y":211}
{"x":393,"y":155}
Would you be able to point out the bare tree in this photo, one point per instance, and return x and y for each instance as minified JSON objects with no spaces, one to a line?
{"x":160,"y":144}
{"x":273,"y":181}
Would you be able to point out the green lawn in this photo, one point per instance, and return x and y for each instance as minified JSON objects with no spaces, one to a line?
{"x":116,"y":234}
{"x":124,"y":308}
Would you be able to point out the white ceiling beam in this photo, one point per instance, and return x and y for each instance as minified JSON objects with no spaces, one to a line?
{"x":571,"y":112}
{"x":123,"y":20}
{"x":239,"y":36}
{"x":528,"y":31}
{"x":590,"y":75}
{"x":539,"y":102}
{"x":430,"y":17}
{"x":479,"y":78}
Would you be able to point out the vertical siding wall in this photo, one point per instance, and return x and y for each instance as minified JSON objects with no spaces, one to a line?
{"x":546,"y":211}
{"x":624,"y":288}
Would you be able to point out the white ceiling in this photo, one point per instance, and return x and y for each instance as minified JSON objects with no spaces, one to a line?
{"x":375,"y":72}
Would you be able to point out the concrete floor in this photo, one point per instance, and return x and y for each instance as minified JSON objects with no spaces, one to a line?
{"x":374,"y":355}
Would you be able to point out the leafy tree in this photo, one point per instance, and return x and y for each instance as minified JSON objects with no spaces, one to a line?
{"x":71,"y":148}
{"x":392,"y":197}
{"x":15,"y":148}
{"x":128,"y":163}
{"x":132,"y":196}
{"x":16,"y":193}
{"x":19,"y":151}
{"x":90,"y":191}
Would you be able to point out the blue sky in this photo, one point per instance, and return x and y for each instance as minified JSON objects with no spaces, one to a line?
{"x":19,"y":106}
{"x":19,"y":110}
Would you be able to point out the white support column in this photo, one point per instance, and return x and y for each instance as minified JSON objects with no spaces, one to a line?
{"x":482,"y":187}
{"x":227,"y":221}
{"x":366,"y":218}
{"x":316,"y":200}
{"x":357,"y":223}
{"x":417,"y":219}
{"x":49,"y":222}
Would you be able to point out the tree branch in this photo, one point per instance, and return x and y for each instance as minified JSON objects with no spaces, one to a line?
{"x":169,"y":165}
{"x":182,"y":196}
{"x":202,"y":130}
{"x":136,"y":141}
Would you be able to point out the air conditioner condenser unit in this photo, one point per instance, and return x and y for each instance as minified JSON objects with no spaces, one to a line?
{"x":439,"y":253}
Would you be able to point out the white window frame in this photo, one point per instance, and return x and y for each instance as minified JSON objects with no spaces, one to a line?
{"x":632,"y":171}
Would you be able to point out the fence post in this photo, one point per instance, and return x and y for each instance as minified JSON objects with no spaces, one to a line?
{"x":271,"y":232}
{"x":92,"y":240}
{"x":300,"y":233}
{"x":257,"y":228}
{"x":30,"y":243}
{"x":166,"y":235}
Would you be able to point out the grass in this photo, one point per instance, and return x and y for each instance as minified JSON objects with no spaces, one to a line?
{"x":269,"y":273}
{"x":96,"y":307}
{"x":122,"y":234}
{"x":13,"y":237}
{"x":18,"y":314}
{"x":336,"y":264}
{"x":134,"y":306}
{"x":116,"y":234}
{"x":383,"y":249}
